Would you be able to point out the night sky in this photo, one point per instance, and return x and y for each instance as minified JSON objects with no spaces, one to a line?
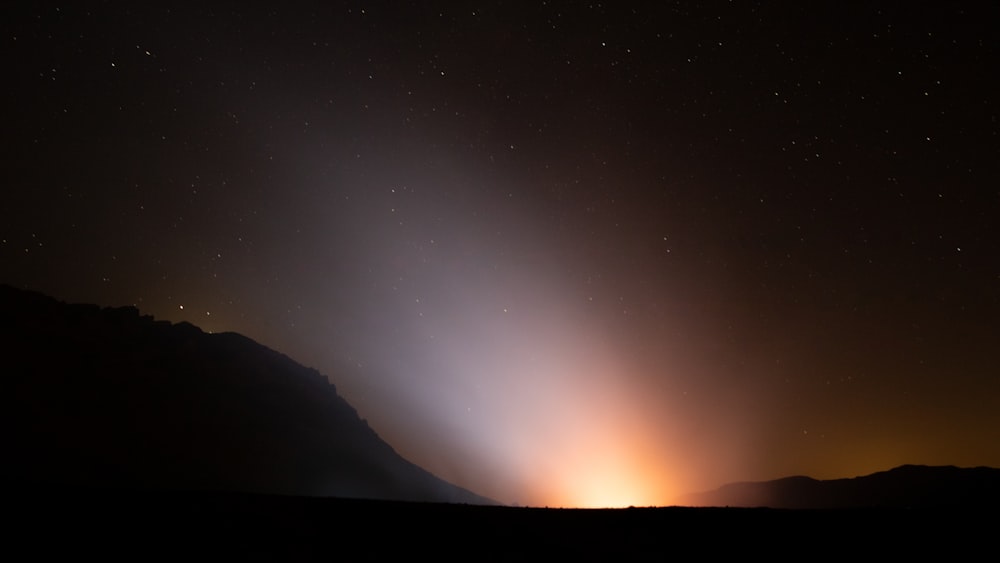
{"x":563,"y":254}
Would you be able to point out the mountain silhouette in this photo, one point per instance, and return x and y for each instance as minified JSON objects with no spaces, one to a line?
{"x":907,"y":486}
{"x":107,"y":397}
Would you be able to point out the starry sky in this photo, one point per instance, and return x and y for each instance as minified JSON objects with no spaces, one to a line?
{"x":559,"y":253}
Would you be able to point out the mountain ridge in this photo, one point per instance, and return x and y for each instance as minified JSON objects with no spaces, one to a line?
{"x":107,"y":396}
{"x":904,"y":486}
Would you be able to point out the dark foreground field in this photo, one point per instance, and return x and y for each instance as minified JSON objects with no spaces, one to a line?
{"x":223,"y":526}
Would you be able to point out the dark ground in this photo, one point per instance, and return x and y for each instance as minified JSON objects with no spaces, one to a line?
{"x":143,"y":525}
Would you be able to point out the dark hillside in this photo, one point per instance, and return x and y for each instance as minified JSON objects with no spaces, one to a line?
{"x":108,"y":397}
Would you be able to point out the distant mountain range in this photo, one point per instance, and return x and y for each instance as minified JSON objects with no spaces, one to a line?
{"x":107,"y":397}
{"x":907,"y":486}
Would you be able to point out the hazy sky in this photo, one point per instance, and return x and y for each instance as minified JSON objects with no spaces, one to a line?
{"x":557,"y":253}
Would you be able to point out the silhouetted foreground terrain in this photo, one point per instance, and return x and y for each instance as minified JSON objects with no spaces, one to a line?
{"x":908,"y":486}
{"x":96,"y":397}
{"x":142,"y":525}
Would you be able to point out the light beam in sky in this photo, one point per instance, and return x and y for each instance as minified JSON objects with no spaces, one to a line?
{"x":530,"y":386}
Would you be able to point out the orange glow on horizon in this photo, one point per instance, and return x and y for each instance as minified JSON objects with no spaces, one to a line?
{"x":607,"y":461}
{"x":613,"y":487}
{"x":569,"y":421}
